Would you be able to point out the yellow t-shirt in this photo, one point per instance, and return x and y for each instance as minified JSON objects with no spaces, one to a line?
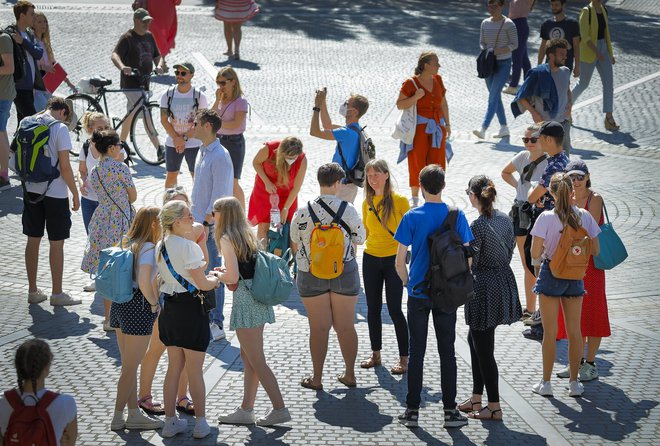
{"x":381,"y":243}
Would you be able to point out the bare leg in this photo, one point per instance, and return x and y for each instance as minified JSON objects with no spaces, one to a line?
{"x":549,"y":307}
{"x":150,"y":362}
{"x":32,"y":261}
{"x":593,"y":344}
{"x":238,"y":193}
{"x":56,"y":257}
{"x":414,"y":191}
{"x":132,"y":350}
{"x":106,"y":311}
{"x":238,"y":34}
{"x":170,"y":179}
{"x":4,"y":154}
{"x":228,"y":38}
{"x":319,"y":316}
{"x":176,"y":361}
{"x":572,"y":307}
{"x":530,"y":297}
{"x":252,"y":347}
{"x":194,"y":367}
{"x":250,"y":381}
{"x":343,"y":321}
{"x":262,"y":234}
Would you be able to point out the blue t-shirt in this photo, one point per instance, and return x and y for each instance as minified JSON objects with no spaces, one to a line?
{"x":350,"y":145}
{"x":416,"y":227}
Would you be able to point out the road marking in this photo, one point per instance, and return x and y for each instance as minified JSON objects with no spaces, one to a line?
{"x":14,"y":336}
{"x":617,"y":90}
{"x":526,"y":411}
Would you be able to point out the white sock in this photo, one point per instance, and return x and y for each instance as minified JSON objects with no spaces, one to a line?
{"x":119,"y":415}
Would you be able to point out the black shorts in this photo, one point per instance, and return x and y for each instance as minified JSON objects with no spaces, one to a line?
{"x":183,"y":323}
{"x":235,"y":145}
{"x":173,"y":159}
{"x":51,"y":214}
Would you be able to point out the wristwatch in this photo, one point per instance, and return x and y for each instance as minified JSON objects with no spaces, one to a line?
{"x":185,"y":138}
{"x":316,"y":109}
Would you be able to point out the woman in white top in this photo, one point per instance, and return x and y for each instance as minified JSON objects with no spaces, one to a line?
{"x":183,"y":323}
{"x":33,"y":360}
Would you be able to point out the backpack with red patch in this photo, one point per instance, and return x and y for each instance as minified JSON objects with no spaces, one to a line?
{"x":29,"y":425}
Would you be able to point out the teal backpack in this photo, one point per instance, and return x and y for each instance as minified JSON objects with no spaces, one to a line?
{"x":272,"y":283}
{"x":114,"y":279}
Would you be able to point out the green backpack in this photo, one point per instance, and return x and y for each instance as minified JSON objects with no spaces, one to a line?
{"x":272,"y":283}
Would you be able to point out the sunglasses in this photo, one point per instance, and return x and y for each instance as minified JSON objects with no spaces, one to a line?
{"x":468,"y":192}
{"x":577,"y":177}
{"x":533,"y":139}
{"x":222,"y":83}
{"x":180,"y":73}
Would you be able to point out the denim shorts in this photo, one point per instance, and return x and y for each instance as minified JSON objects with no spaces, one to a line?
{"x":550,"y":286}
{"x":235,"y":145}
{"x":348,"y":283}
{"x":5,"y":111}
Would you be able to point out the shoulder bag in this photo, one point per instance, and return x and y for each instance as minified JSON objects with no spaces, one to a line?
{"x":486,"y":61}
{"x":612,"y":250}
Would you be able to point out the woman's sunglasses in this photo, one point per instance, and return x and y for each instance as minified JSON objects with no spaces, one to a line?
{"x":532,"y":140}
{"x":222,"y":83}
{"x":577,"y":177}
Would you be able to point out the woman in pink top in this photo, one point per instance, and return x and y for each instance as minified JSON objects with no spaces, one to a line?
{"x":232,"y":108}
{"x":518,"y":12}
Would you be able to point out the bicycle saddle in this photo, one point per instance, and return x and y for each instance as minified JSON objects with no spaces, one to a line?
{"x":100,"y":81}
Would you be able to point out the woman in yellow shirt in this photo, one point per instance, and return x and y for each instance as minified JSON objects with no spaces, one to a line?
{"x":382,"y":211}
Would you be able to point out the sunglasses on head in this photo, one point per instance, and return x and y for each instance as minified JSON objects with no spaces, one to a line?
{"x":180,"y":73}
{"x":533,"y":139}
{"x":577,"y":177}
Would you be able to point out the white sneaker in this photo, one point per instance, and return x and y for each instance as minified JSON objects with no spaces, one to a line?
{"x":91,"y":287}
{"x":511,"y":90}
{"x":543,"y":388}
{"x":481,"y":134}
{"x":142,"y":421}
{"x":275,"y":417}
{"x":118,"y":422}
{"x":36,"y":297}
{"x":575,"y":388}
{"x":564,"y":373}
{"x":504,"y":132}
{"x":174,"y":426}
{"x":588,"y":372}
{"x":217,"y":333}
{"x":202,"y":428}
{"x":239,"y":416}
{"x":63,"y":299}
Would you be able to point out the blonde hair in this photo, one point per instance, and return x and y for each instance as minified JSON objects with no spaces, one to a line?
{"x":172,"y":192}
{"x":143,"y":230}
{"x":89,"y":118}
{"x":234,"y":225}
{"x":171,"y":212}
{"x":424,"y":58}
{"x":230,"y":74}
{"x":386,"y":206}
{"x":45,"y":37}
{"x":561,"y":187}
{"x":289,"y":146}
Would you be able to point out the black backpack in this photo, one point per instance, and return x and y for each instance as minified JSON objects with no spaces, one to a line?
{"x":20,"y":62}
{"x":366,"y":152}
{"x":449,"y":280}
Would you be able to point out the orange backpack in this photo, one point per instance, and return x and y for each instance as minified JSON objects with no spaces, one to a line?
{"x":326,"y":253}
{"x":571,"y":258}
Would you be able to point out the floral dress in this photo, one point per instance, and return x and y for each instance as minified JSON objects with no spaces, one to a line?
{"x":112,"y":218}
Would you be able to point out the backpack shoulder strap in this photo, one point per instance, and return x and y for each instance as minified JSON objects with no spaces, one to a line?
{"x":196,"y":95}
{"x":170,"y":97}
{"x":312,"y":214}
{"x":14,"y":399}
{"x":452,"y":217}
{"x":336,"y":217}
{"x":47,"y":399}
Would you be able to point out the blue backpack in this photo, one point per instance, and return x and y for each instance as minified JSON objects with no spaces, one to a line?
{"x":272,"y":283}
{"x":32,"y":160}
{"x":114,"y":279}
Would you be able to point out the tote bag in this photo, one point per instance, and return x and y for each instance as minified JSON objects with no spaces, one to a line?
{"x":612,"y":251}
{"x":405,"y":126}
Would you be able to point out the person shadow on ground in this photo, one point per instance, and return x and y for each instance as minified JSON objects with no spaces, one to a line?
{"x":335,"y":411}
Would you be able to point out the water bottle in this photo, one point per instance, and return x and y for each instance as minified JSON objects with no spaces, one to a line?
{"x":274,"y":211}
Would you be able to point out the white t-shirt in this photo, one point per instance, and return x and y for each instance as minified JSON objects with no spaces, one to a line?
{"x":92,"y":162}
{"x":59,"y":141}
{"x":62,"y":411}
{"x":520,"y":161}
{"x":549,"y":227}
{"x":147,"y":256}
{"x":184,"y":255}
{"x":183,"y":109}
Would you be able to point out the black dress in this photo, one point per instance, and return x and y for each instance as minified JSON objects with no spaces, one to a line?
{"x":496,"y":299}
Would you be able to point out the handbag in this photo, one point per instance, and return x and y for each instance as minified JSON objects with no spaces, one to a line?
{"x":612,"y":250}
{"x":486,"y":61}
{"x":206,"y":298}
{"x":406,"y":124}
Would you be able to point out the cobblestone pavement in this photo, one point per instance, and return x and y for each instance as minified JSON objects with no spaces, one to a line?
{"x":370,"y":47}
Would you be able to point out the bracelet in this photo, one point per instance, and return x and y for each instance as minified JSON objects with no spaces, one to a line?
{"x":316,"y":109}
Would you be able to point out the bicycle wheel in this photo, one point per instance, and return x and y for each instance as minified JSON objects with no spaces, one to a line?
{"x":81,"y":104}
{"x":146,"y":130}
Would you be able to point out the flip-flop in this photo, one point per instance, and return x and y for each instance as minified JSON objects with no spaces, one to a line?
{"x":185,"y":409}
{"x":369,"y":363}
{"x":308,"y":384}
{"x":346,"y":382}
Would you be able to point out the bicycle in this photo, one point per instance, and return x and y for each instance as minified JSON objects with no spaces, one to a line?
{"x":145,"y":130}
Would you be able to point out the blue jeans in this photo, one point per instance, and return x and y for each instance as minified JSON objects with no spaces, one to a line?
{"x":495,"y":83}
{"x":606,"y":77}
{"x":519,"y":57}
{"x":88,"y":207}
{"x":445,"y":333}
{"x":214,"y":261}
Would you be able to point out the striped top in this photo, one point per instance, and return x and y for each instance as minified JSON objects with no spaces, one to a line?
{"x":235,"y":11}
{"x":508,"y":37}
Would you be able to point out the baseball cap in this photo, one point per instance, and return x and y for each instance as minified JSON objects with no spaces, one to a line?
{"x":142,"y":14}
{"x":186,"y":66}
{"x":577,"y":167}
{"x":550,"y":128}
{"x":72,"y":120}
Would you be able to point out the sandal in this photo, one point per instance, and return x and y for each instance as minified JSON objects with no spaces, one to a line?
{"x":399,"y":368}
{"x":371,"y":362}
{"x":150,"y":406}
{"x":188,"y":408}
{"x":309,"y":384}
{"x":342,"y":379}
{"x":468,"y":405}
{"x":477,"y":414}
{"x":610,"y":124}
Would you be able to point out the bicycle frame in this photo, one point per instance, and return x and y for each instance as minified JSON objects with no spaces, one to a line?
{"x":143,"y":100}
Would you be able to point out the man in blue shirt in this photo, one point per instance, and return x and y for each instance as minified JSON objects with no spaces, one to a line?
{"x":347,"y":136}
{"x":415,"y":228}
{"x":214,"y":178}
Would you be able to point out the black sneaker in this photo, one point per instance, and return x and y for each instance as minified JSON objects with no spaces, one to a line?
{"x":409,"y":418}
{"x":453,"y":418}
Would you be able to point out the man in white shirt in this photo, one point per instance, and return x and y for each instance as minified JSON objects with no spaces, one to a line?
{"x":51,"y":212}
{"x":178,"y":107}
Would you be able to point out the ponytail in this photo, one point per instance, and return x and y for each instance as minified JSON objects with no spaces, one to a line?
{"x":561,"y":188}
{"x":483,"y":189}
